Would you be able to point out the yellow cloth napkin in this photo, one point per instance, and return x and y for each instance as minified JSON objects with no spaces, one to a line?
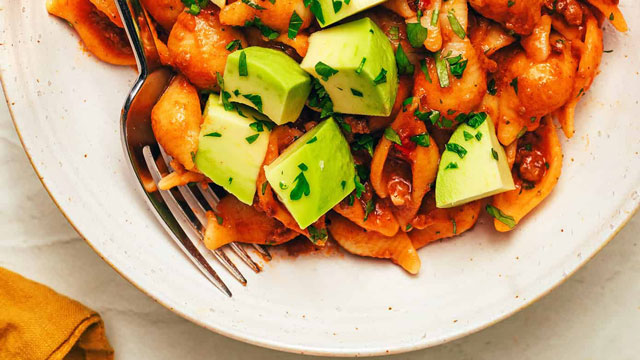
{"x":37,"y":323}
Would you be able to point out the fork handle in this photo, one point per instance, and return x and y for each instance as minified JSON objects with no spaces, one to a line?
{"x":137,"y":25}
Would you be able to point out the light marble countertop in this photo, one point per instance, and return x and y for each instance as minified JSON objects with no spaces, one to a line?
{"x":593,"y":315}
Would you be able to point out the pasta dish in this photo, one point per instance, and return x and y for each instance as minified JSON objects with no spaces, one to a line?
{"x":382,"y":125}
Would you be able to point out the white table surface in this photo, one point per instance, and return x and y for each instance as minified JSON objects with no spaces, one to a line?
{"x":593,"y":315}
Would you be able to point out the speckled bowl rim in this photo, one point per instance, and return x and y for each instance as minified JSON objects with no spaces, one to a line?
{"x":622,"y":220}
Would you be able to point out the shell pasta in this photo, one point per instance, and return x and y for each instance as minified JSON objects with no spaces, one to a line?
{"x":447,"y":110}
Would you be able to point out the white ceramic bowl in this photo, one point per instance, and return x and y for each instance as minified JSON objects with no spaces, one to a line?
{"x":66,"y":107}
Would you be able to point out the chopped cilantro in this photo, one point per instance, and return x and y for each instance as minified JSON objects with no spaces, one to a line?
{"x":242,"y":65}
{"x":392,"y":136}
{"x":363,"y":142}
{"x":421,"y":139}
{"x":514,"y":84}
{"x":325,"y":71}
{"x":500,"y":216}
{"x":381,"y":78}
{"x":455,"y":25}
{"x":317,"y":234}
{"x":361,"y":66}
{"x":233,"y":45}
{"x":266,"y":31}
{"x":356,"y":92}
{"x":405,"y":67}
{"x":441,"y":69}
{"x":301,"y":188}
{"x":255,"y":100}
{"x":453,"y":147}
{"x":214,"y":134}
{"x":253,"y":5}
{"x":467,"y":135}
{"x":416,"y":34}
{"x":494,"y":153}
{"x":491,"y":87}
{"x":295,"y":22}
{"x":476,"y":119}
{"x":337,"y":5}
{"x":313,"y":139}
{"x":425,"y":71}
{"x":451,"y":165}
{"x":457,"y":66}
{"x":359,"y":186}
{"x":252,"y":138}
{"x":371,"y":205}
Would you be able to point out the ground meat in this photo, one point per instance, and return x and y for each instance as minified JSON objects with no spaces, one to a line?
{"x":416,"y":5}
{"x":530,"y":161}
{"x":569,"y":9}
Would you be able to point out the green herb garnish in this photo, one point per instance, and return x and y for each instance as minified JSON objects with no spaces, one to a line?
{"x":455,"y":25}
{"x":317,"y":234}
{"x":325,"y":71}
{"x":514,"y":84}
{"x":252,"y":138}
{"x":233,"y":45}
{"x":421,"y":139}
{"x":295,"y":22}
{"x":364,"y":141}
{"x":255,"y":100}
{"x":214,"y":134}
{"x":441,"y":69}
{"x":491,"y":87}
{"x":425,"y":70}
{"x":356,"y":92}
{"x":416,"y":34}
{"x":301,"y":188}
{"x":381,"y":78}
{"x":405,"y":67}
{"x":392,"y":136}
{"x":453,"y":147}
{"x":253,"y":5}
{"x":371,"y":205}
{"x":242,"y":65}
{"x":337,"y":5}
{"x":361,"y":66}
{"x":500,"y":216}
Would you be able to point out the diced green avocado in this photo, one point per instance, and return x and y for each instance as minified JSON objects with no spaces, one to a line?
{"x":232,"y":147}
{"x":356,"y":65}
{"x":314,"y":173}
{"x":336,"y":10}
{"x":267,"y":80}
{"x":473,"y":165}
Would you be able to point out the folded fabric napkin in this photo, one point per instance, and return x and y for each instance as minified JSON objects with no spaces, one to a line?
{"x":38,"y":323}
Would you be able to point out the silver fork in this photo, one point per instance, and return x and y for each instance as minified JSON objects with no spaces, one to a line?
{"x":180,"y":211}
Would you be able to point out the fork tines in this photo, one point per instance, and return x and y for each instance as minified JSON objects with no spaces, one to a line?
{"x":190,"y":214}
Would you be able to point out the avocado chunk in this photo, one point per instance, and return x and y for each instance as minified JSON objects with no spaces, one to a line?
{"x":267,"y":80}
{"x":474,"y":164}
{"x":355,"y":64}
{"x":314,"y":173}
{"x":232,"y":147}
{"x":336,"y":10}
